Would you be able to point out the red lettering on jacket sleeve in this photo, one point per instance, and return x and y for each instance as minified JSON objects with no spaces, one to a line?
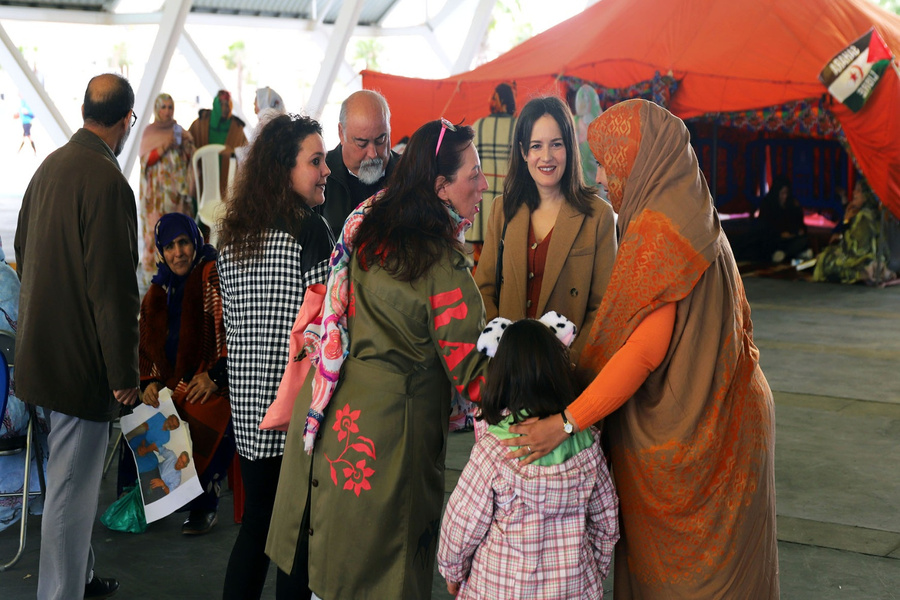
{"x":444,"y":301}
{"x":458,"y":351}
{"x":473,"y":390}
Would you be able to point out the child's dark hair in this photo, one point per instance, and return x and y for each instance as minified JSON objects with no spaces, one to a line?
{"x":530,"y":375}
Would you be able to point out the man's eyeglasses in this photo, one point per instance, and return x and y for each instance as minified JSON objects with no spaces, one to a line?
{"x":445,"y":125}
{"x":133,"y":118}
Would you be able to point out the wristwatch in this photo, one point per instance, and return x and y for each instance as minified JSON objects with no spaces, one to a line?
{"x":567,"y":427}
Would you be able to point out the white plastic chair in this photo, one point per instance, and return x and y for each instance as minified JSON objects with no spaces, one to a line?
{"x":210,"y":206}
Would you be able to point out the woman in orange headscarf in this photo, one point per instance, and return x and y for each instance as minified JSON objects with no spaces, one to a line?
{"x":689,"y":415}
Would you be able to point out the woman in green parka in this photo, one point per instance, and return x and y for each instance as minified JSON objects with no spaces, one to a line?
{"x":357,"y":513}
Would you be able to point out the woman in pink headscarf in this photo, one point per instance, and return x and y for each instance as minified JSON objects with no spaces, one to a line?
{"x":167,"y":183}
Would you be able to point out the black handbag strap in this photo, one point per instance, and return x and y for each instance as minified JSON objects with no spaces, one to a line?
{"x":498,"y":271}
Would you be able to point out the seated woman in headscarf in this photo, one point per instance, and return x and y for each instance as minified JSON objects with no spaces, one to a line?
{"x":182,"y":347}
{"x":858,"y":252}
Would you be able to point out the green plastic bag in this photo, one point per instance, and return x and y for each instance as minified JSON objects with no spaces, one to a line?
{"x":127,"y":513}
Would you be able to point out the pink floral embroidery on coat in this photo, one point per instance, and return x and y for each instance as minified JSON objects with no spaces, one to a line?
{"x":356,"y":475}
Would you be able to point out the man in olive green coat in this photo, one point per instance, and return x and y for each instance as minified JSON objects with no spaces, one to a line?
{"x":76,"y":254}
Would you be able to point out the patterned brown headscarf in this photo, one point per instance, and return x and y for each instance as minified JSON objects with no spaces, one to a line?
{"x":693,"y":449}
{"x":668,"y":230}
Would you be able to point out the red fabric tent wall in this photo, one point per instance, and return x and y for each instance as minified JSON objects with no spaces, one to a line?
{"x":727,"y":56}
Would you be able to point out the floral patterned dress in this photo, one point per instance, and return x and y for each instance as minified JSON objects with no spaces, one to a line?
{"x":166,"y":186}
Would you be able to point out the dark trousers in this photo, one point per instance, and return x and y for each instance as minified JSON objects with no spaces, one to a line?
{"x":295,"y":585}
{"x":248,"y":565}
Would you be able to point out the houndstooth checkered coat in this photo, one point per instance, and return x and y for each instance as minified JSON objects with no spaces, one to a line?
{"x":260,"y":300}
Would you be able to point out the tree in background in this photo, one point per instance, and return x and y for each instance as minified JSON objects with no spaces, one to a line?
{"x":29,"y":53}
{"x":891,"y":5}
{"x":118,"y":60}
{"x":516,"y":29}
{"x":367,"y":50}
{"x":235,"y":60}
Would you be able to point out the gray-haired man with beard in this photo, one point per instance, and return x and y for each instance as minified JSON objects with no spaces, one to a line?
{"x":361,"y":164}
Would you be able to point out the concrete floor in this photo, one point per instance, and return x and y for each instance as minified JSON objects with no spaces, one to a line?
{"x":832,"y":356}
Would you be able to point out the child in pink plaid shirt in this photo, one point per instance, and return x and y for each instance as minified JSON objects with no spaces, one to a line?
{"x":544,"y":530}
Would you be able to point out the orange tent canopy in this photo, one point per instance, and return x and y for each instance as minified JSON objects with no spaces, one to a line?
{"x":726,"y":56}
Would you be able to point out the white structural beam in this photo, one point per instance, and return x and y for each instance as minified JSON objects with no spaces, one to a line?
{"x":204,"y":71}
{"x":448,"y":9}
{"x":321,"y":38}
{"x":334,"y":55}
{"x":80,"y":17}
{"x":320,"y":18}
{"x":480,"y":22}
{"x":32,"y":90}
{"x":171,"y":26}
{"x":438,"y":50}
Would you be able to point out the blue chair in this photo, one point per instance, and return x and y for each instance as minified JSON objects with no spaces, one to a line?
{"x":18,"y":444}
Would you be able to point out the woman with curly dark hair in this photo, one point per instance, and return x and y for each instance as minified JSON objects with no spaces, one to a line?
{"x":273,"y":246}
{"x":358,"y":508}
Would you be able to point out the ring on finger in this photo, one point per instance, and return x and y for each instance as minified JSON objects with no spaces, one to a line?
{"x":529,"y":449}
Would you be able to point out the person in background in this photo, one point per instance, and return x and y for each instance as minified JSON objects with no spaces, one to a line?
{"x":398,"y":328}
{"x":494,"y":141}
{"x":780,"y":223}
{"x":26,"y":117}
{"x":268,"y":99}
{"x":219,"y":126}
{"x":544,"y":530}
{"x":167,"y":179}
{"x":273,"y":247}
{"x":587,"y":108}
{"x":363,"y":161}
{"x":267,"y":105}
{"x":14,"y":422}
{"x":76,"y":254}
{"x":859,"y":252}
{"x":559,"y":237}
{"x":183,"y":349}
{"x":689,"y":416}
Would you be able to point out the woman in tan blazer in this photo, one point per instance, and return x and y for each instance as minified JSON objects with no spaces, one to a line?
{"x":560,"y":238}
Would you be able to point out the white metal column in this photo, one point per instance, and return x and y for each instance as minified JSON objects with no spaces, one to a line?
{"x":334,"y":56}
{"x":480,"y":22}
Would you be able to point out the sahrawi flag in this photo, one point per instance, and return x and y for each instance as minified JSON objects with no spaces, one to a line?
{"x":852,"y":74}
